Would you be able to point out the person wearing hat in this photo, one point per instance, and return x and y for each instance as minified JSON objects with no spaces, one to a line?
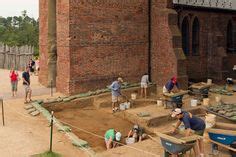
{"x":137,"y":133}
{"x":168,"y":87}
{"x":116,"y":93}
{"x":111,"y":136}
{"x":190,"y":122}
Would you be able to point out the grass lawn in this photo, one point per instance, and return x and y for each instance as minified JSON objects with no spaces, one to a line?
{"x":47,"y":154}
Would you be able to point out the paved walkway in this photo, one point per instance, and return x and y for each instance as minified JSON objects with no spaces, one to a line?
{"x":22,"y":134}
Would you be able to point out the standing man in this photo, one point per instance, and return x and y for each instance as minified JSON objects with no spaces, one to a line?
{"x":26,"y":84}
{"x":170,"y":85}
{"x":144,"y":85}
{"x":191,"y":122}
{"x":116,"y":93}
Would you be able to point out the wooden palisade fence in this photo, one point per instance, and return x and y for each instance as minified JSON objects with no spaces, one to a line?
{"x":15,"y":57}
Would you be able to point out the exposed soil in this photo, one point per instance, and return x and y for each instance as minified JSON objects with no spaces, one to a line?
{"x":94,"y":121}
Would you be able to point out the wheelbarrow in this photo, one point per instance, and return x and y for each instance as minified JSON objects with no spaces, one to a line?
{"x":201,"y":90}
{"x":177,"y":146}
{"x":223,"y":138}
{"x":174,"y":100}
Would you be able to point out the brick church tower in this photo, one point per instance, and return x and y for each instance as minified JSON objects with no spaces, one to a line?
{"x":86,"y":44}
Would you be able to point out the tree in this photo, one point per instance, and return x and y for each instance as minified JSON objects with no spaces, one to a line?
{"x":19,"y":31}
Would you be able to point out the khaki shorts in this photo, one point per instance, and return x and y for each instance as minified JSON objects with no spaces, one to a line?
{"x":27,"y":89}
{"x":144,"y":85}
{"x":115,"y":98}
{"x":199,"y":132}
{"x":164,"y":90}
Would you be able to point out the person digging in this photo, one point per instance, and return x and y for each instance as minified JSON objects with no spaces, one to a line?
{"x":137,"y":133}
{"x":112,"y":137}
{"x":191,"y":122}
{"x":116,"y":93}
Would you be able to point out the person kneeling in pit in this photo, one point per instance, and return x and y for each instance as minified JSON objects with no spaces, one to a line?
{"x":137,"y":133}
{"x":112,"y":137}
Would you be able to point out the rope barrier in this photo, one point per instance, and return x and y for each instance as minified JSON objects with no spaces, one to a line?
{"x":83,"y":130}
{"x":101,"y":137}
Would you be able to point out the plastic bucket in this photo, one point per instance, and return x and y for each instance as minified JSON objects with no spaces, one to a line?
{"x":130,"y":140}
{"x":209,"y":81}
{"x":127,"y":105}
{"x":210,"y":120}
{"x":122,"y":107}
{"x":159,"y":103}
{"x":206,"y":101}
{"x":218,"y":99}
{"x":133,"y":96}
{"x":193,"y":102}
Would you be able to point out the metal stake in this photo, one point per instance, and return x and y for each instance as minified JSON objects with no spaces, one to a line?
{"x":51,"y":89}
{"x":51,"y":131}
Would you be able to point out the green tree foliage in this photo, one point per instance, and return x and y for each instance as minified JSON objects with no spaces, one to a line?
{"x":19,"y":31}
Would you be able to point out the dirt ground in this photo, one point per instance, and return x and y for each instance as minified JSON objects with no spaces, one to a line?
{"x":23,"y":135}
{"x":94,"y":121}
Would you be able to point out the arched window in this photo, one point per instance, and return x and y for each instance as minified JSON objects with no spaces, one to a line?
{"x":185,"y":36}
{"x":195,"y":37}
{"x":230,"y":45}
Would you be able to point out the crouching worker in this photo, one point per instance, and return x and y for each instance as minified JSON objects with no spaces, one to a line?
{"x":111,"y":138}
{"x":137,"y":133}
{"x":168,"y":87}
{"x":191,"y":122}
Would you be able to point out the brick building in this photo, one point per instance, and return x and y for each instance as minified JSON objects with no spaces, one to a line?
{"x":86,"y":44}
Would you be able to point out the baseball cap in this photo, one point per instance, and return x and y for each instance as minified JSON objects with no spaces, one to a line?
{"x":118,"y":136}
{"x":120,"y":79}
{"x":175,"y":112}
{"x":135,"y":126}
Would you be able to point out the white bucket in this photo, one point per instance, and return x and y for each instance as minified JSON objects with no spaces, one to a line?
{"x":210,"y":120}
{"x":159,"y":103}
{"x":218,"y":99}
{"x":130,"y":140}
{"x":122,"y":107}
{"x":193,"y":102}
{"x":133,"y":96}
{"x":209,"y":81}
{"x":127,"y":105}
{"x":206,"y":101}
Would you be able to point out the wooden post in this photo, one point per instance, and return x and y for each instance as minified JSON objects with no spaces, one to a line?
{"x":3,"y":121}
{"x":51,"y":132}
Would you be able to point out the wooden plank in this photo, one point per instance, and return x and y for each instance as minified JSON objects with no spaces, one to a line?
{"x":222,"y":145}
{"x":222,"y":131}
{"x":227,"y":126}
{"x":170,"y":138}
{"x":200,"y":85}
{"x":182,"y":92}
{"x":191,"y":138}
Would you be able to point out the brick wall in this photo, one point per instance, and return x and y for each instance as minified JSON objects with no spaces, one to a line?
{"x":212,"y":50}
{"x":63,"y":47}
{"x":108,"y":39}
{"x":167,"y":55}
{"x":97,"y":41}
{"x":43,"y":31}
